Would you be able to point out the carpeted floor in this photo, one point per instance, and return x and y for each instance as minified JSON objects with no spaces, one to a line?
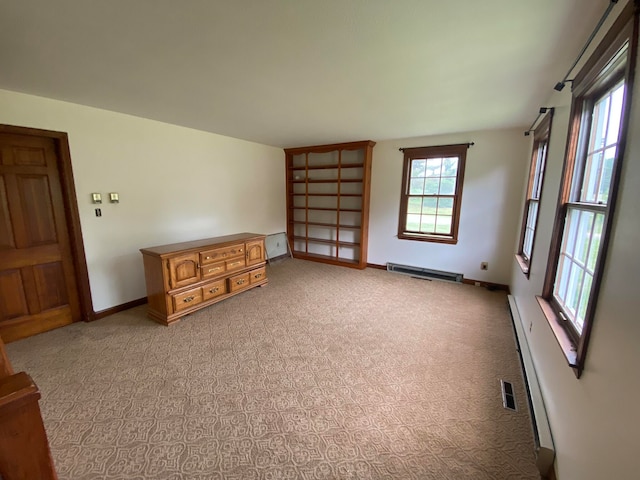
{"x":326,"y":373}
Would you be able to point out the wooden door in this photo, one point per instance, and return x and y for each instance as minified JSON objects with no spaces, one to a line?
{"x":38,"y":290}
{"x":255,"y":252}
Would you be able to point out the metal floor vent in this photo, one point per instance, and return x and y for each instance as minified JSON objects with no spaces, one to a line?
{"x":424,"y":272}
{"x":508,"y":396}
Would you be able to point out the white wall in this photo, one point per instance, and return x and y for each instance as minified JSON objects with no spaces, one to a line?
{"x":175,"y":184}
{"x":594,"y":419}
{"x":490,"y":206}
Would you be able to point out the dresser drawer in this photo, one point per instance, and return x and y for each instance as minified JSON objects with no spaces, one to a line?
{"x":212,"y":270}
{"x":257,"y":275}
{"x":239,"y":282}
{"x":214,"y":289}
{"x":219,"y":254}
{"x":235,"y":264}
{"x":187,"y":299}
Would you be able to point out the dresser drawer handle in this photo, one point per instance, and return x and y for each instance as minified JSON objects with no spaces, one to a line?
{"x":257,"y":275}
{"x":240,"y":250}
{"x":214,"y":290}
{"x":207,"y":258}
{"x":234,"y":264}
{"x":189,"y":299}
{"x":214,"y":269}
{"x":240,"y":282}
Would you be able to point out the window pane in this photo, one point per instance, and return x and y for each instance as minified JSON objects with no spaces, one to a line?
{"x":443,"y":224}
{"x":607,"y":170}
{"x":448,"y":186}
{"x":599,"y":121}
{"x":617,"y":97}
{"x":413,"y":223}
{"x":570,"y":229}
{"x":573,"y":289}
{"x":584,"y":302}
{"x":414,"y":205}
{"x":429,"y":205}
{"x":532,"y":215}
{"x":445,"y":206}
{"x":450,"y":167}
{"x":431,"y":186}
{"x":434,"y":167}
{"x":584,"y":238}
{"x":539,"y":170}
{"x":418,"y":168}
{"x":595,"y":242}
{"x":416,"y":186}
{"x":592,"y":174}
{"x":428,"y":224}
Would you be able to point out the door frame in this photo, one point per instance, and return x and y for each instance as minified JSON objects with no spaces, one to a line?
{"x":61,"y":141}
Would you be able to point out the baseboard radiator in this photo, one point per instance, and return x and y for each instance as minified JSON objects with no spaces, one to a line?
{"x":545,"y":450}
{"x":424,"y":272}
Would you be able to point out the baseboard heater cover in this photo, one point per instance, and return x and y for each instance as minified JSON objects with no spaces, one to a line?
{"x":424,"y":272}
{"x":545,"y":450}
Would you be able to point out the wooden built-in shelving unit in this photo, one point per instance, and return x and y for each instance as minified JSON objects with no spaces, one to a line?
{"x":328,"y":202}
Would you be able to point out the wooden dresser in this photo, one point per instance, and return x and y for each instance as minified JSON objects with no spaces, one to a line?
{"x":185,"y":277}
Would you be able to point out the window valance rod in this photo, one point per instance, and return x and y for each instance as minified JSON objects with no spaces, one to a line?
{"x":468,"y":144}
{"x":541,"y":112}
{"x":560,"y":85}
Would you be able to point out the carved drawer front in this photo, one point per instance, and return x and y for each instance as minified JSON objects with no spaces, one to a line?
{"x":220,"y":254}
{"x":257,"y":275}
{"x":214,"y":289}
{"x":187,"y":299}
{"x":235,"y":264}
{"x":239,"y":282}
{"x":212,"y":270}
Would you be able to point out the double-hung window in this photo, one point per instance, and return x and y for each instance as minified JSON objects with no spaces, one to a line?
{"x":432,"y":193}
{"x":534,"y":192}
{"x":597,"y":136}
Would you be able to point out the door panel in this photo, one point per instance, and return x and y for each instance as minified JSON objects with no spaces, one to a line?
{"x":38,"y":289}
{"x":6,"y":230}
{"x":35,"y":200}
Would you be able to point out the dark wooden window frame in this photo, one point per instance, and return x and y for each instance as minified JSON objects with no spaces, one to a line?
{"x":541,"y":137}
{"x":600,"y":73}
{"x":458,"y":150}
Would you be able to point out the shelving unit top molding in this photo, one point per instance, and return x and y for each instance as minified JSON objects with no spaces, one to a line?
{"x":330,"y":148}
{"x":328,"y":202}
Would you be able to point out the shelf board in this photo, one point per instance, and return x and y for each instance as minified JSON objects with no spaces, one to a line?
{"x":329,"y":209}
{"x":335,"y":180}
{"x":327,"y":194}
{"x":329,"y":166}
{"x":349,"y":262}
{"x":330,"y":225}
{"x":329,"y":242}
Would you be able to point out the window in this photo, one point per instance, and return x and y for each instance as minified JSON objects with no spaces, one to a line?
{"x":431,"y":193}
{"x":534,"y":192}
{"x":597,"y":133}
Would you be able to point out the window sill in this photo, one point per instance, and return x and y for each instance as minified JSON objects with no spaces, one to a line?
{"x":566,"y":343}
{"x":428,"y":238}
{"x":524,"y":266}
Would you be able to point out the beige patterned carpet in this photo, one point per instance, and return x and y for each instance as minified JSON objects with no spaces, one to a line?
{"x":326,"y":373}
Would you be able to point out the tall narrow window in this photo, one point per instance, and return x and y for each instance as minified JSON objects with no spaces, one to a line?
{"x":432,"y":193}
{"x":597,"y":136}
{"x":534,"y":192}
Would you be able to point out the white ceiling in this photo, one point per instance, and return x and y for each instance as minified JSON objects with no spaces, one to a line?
{"x":299,"y":72}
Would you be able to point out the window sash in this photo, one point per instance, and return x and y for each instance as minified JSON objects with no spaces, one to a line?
{"x":430,"y":211}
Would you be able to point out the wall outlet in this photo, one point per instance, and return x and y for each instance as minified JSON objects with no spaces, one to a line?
{"x":530,"y":326}
{"x":484,"y":266}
